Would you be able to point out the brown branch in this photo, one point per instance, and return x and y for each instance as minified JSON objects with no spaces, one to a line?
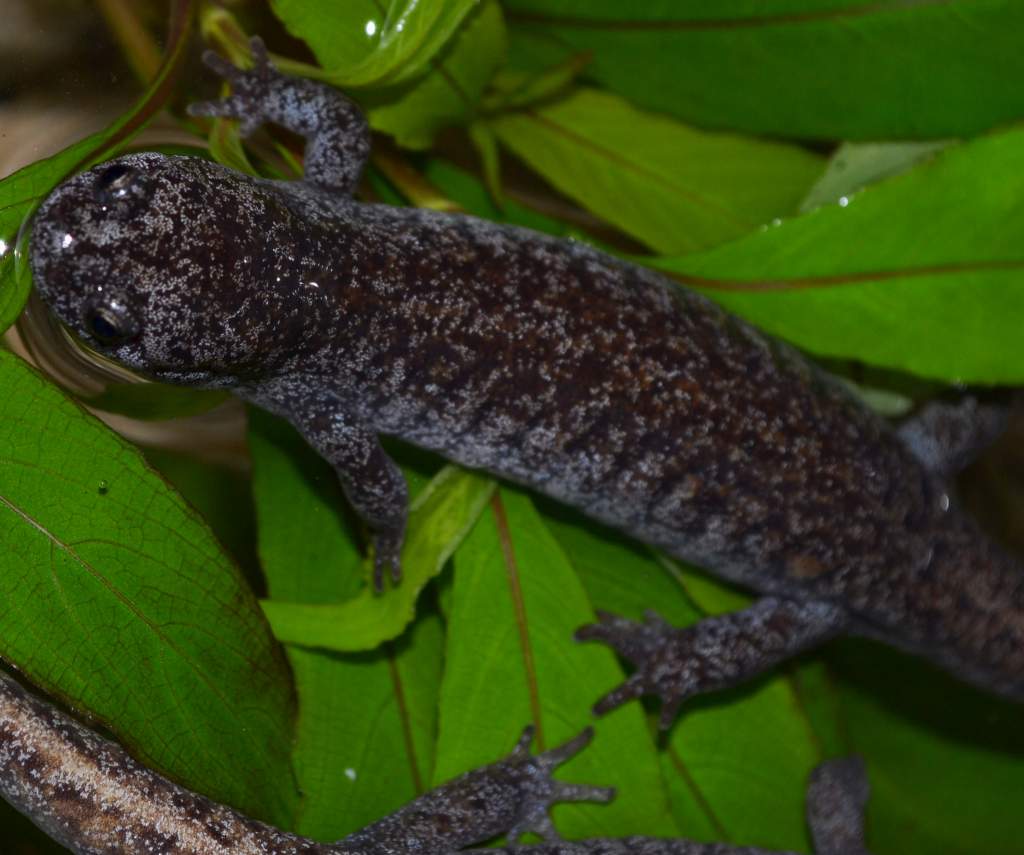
{"x":89,"y":795}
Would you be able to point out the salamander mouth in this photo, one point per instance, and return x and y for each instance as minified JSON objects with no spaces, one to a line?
{"x":198,"y":377}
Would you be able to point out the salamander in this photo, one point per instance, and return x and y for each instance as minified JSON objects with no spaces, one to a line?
{"x":548,"y":363}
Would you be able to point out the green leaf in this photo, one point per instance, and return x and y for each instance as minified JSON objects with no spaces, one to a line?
{"x":439,"y":518}
{"x":115,"y":597}
{"x":225,"y":140}
{"x":719,"y":759}
{"x":827,"y":69}
{"x":365,"y":734}
{"x":448,"y":93}
{"x":485,"y":144}
{"x":675,"y":188}
{"x":620,"y":575}
{"x":923,"y":272}
{"x":22,"y":192}
{"x":367,"y":43}
{"x":365,"y":738}
{"x":511,"y":89}
{"x":471,"y":194}
{"x":308,"y":543}
{"x":510,"y":661}
{"x":220,"y":494}
{"x":751,"y":745}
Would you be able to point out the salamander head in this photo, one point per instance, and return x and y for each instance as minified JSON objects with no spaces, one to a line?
{"x":162,"y":264}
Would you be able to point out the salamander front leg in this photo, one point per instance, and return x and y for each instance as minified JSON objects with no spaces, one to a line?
{"x":337,"y":136}
{"x":372,"y":481}
{"x":715,"y":653}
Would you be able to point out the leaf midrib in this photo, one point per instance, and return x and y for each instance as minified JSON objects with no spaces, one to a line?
{"x":793,"y":283}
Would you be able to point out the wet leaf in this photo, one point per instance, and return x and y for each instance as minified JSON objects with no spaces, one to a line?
{"x":367,"y":43}
{"x":920,"y":273}
{"x":854,"y":166}
{"x":448,"y":92}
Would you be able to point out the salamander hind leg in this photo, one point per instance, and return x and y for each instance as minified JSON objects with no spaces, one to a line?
{"x":714,"y":653}
{"x":947,"y":436}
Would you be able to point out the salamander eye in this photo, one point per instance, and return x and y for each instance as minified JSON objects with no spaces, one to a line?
{"x":115,"y":179}
{"x":110,"y":324}
{"x":122,"y":188}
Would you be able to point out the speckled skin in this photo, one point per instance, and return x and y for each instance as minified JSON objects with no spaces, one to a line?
{"x":546,"y":362}
{"x":90,"y":796}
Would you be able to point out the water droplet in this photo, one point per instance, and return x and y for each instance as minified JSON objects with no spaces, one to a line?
{"x":844,"y":201}
{"x":103,"y":487}
{"x":370,"y":29}
{"x":350,"y":774}
{"x":944,"y":501}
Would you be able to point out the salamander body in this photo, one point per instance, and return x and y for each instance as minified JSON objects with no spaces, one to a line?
{"x":546,"y":362}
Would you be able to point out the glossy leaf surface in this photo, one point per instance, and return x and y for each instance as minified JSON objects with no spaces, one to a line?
{"x":365,"y":42}
{"x":448,"y":92}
